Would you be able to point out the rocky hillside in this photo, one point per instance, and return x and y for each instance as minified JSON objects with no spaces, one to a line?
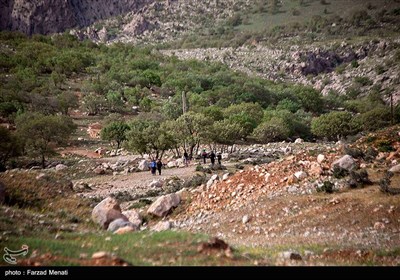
{"x":339,"y":68}
{"x":51,"y":16}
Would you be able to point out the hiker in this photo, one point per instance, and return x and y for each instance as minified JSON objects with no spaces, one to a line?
{"x":153,"y":167}
{"x":212,"y":157}
{"x":186,"y":158}
{"x":204,"y":155}
{"x":159,"y":165}
{"x":219,"y":157}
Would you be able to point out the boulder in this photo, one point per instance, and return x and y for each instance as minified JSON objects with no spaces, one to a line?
{"x":298,"y":141}
{"x":156,"y":184}
{"x":119,"y":223}
{"x":133,"y":217}
{"x":171,"y":164}
{"x":225,"y":177}
{"x":107,"y":211}
{"x":346,"y":162}
{"x":315,"y":169}
{"x":164,"y":204}
{"x":395,"y":169}
{"x":183,"y":194}
{"x":99,"y":171}
{"x":61,"y":167}
{"x":162,"y":226}
{"x":143,"y":165}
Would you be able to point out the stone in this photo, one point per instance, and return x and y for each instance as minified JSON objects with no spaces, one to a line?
{"x":320,"y":158}
{"x":290,"y":255}
{"x":133,"y":217}
{"x":298,"y":141}
{"x":315,"y":169}
{"x":119,"y":223}
{"x":225,"y":177}
{"x":395,"y":169}
{"x":143,"y":165}
{"x":156,"y":184}
{"x":346,"y":162}
{"x":301,"y":175}
{"x":161,"y":226}
{"x":245,"y":219}
{"x":61,"y":167}
{"x":164,"y":204}
{"x":107,"y":211}
{"x":183,"y":194}
{"x":100,"y":255}
{"x":124,"y":230}
{"x":99,"y":171}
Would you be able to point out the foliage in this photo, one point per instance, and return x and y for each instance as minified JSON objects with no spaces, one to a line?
{"x":147,"y":136}
{"x":327,"y":187}
{"x":276,"y":129}
{"x":9,"y":146}
{"x":333,"y":125}
{"x":39,"y":132}
{"x":115,"y":131}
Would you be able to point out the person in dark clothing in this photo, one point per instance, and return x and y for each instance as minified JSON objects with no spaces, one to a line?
{"x":159,"y":166}
{"x":153,"y":167}
{"x":219,"y":157}
{"x":204,"y":155}
{"x":212,"y":157}
{"x":186,"y":158}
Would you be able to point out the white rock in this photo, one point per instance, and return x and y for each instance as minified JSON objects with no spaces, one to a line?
{"x":245,"y":219}
{"x":161,"y":226}
{"x":298,"y":141}
{"x":346,"y":162}
{"x":164,"y":204}
{"x":320,"y":158}
{"x":395,"y":169}
{"x":61,"y":167}
{"x":300,"y":175}
{"x":225,"y":177}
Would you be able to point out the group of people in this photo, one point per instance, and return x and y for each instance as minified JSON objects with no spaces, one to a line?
{"x":212,"y":157}
{"x":156,"y":164}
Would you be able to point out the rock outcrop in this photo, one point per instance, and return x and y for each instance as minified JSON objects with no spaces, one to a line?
{"x":52,"y":16}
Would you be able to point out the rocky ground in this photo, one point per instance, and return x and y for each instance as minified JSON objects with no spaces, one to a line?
{"x":287,"y":203}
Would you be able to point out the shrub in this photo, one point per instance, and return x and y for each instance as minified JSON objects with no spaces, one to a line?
{"x":339,"y":172}
{"x":358,"y":179}
{"x":327,"y":187}
{"x":275,"y":129}
{"x":332,"y":125}
{"x":354,"y":152}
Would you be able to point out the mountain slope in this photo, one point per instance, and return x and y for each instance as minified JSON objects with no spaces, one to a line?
{"x":51,"y":16}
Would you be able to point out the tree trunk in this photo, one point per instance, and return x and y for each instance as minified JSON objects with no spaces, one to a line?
{"x":118,"y":145}
{"x":43,"y":162}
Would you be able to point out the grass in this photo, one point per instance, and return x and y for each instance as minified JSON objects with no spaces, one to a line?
{"x":140,"y":249}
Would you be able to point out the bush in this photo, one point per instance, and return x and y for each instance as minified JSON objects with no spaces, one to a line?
{"x":327,"y":187}
{"x":333,"y":125}
{"x":375,"y":119}
{"x":354,"y":152}
{"x":358,"y":179}
{"x":339,"y":172}
{"x":275,"y":129}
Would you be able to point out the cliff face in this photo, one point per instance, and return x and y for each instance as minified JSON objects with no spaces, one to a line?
{"x":49,"y":16}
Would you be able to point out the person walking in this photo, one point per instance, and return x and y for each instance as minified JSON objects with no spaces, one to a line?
{"x":219,"y":158}
{"x":204,"y":155}
{"x":159,"y":166}
{"x":186,"y":158}
{"x":212,"y":157}
{"x":153,"y":167}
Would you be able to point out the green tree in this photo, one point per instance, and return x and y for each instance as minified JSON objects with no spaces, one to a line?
{"x":66,"y":101}
{"x":8,"y":147}
{"x":146,"y":136}
{"x":333,"y":125}
{"x":275,"y":129}
{"x":40,"y":134}
{"x":115,"y":132}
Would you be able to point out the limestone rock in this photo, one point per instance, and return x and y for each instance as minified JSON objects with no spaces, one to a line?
{"x":164,"y":204}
